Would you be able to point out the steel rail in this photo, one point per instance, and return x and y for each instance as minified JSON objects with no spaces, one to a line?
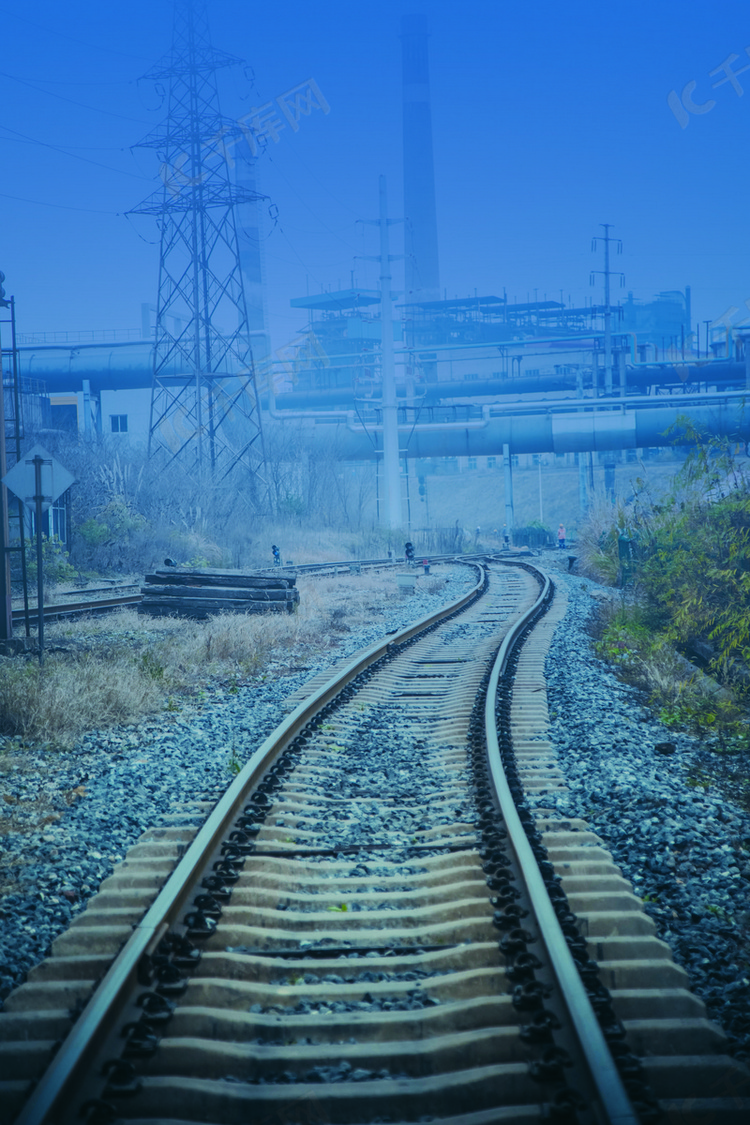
{"x":102,"y":605}
{"x":605,"y":1078}
{"x":103,"y":1013}
{"x":72,"y":609}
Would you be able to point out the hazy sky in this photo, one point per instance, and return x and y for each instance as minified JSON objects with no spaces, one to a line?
{"x":548,"y":120}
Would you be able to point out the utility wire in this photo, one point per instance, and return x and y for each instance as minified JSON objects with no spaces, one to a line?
{"x":59,"y":206}
{"x":57,"y":34}
{"x":67,"y":152}
{"x":72,"y":101}
{"x":72,"y":82}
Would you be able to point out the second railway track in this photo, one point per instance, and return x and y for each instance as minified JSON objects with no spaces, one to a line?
{"x":367,"y":930}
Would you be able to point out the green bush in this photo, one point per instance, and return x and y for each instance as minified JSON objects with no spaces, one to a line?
{"x":93,"y":532}
{"x":55,"y":565}
{"x":684,"y":565}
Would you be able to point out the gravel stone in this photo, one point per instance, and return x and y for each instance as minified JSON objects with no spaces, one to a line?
{"x":84,"y":808}
{"x":686,"y":851}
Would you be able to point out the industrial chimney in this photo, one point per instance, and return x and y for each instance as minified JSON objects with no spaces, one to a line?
{"x":422,"y":273}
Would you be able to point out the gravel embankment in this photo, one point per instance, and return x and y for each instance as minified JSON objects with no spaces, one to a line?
{"x":685,"y":848}
{"x":680,"y":840}
{"x":66,"y":818}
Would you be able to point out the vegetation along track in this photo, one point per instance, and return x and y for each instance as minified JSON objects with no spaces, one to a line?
{"x":370,"y":925}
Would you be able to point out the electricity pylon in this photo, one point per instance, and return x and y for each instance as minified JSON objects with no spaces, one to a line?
{"x":204,"y":404}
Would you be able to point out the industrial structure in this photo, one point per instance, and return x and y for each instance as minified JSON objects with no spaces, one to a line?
{"x":374,"y":375}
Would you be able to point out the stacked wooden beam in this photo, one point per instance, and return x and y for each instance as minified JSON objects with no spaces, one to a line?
{"x":183,"y":592}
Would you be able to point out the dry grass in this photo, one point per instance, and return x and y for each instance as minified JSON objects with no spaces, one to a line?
{"x":101,"y":671}
{"x":70,"y":695}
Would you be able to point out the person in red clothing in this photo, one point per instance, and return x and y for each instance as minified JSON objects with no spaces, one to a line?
{"x":561,"y":537}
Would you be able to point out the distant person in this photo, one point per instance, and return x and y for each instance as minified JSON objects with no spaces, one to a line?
{"x":561,"y":537}
{"x":506,"y":537}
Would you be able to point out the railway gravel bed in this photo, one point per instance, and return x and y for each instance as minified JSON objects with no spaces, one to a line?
{"x":369,"y":838}
{"x":686,"y":850}
{"x":66,"y":818}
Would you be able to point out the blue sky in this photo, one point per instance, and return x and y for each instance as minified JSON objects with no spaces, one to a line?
{"x":548,"y":120}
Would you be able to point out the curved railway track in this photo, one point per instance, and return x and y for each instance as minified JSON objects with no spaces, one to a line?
{"x":72,"y":609}
{"x":371,"y":925}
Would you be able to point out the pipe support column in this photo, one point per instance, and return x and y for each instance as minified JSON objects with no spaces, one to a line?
{"x":508,"y":481}
{"x":391,"y":466}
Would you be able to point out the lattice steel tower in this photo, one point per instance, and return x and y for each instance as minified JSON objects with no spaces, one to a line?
{"x":204,"y":405}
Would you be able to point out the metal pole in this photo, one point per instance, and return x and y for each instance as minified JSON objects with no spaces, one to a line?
{"x":583,"y":502}
{"x":408,"y":496}
{"x":17,"y":437}
{"x":508,"y":480}
{"x":607,"y":315}
{"x":583,"y":494}
{"x":38,"y":501}
{"x":86,"y":408}
{"x":391,"y":475}
{"x":541,"y":508}
{"x":623,"y":372}
{"x":6,"y":613}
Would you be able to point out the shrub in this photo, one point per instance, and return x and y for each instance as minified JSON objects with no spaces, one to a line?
{"x":687,"y":569}
{"x":55,"y":565}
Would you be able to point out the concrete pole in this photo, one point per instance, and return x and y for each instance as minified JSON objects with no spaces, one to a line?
{"x":508,"y":480}
{"x":38,"y":502}
{"x":6,"y":610}
{"x":391,"y":469}
{"x":623,"y":373}
{"x":595,"y":373}
{"x":583,"y":497}
{"x":607,"y":316}
{"x":583,"y":491}
{"x":87,"y":408}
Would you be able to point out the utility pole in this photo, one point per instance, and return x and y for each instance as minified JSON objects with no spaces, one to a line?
{"x":391,"y":508}
{"x":607,"y":239}
{"x":390,"y":411}
{"x":204,"y":406}
{"x":12,"y":535}
{"x":583,"y":457}
{"x":510,"y":515}
{"x":6,"y":613}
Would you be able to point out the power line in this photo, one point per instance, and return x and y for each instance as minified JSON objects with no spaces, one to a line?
{"x":70,"y":101}
{"x":67,"y":152}
{"x":59,"y":206}
{"x":57,"y":34}
{"x":72,"y":81}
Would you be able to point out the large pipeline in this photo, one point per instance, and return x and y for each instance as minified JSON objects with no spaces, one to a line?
{"x":576,"y":432}
{"x":129,"y":366}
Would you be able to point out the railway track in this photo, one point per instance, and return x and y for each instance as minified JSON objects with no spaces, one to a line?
{"x":371,"y":925}
{"x":122,"y":601}
{"x":75,"y":609}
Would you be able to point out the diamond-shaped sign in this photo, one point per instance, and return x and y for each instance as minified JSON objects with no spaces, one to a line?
{"x":21,"y":479}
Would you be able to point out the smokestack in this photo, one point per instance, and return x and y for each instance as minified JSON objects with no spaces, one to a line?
{"x":422,"y":272}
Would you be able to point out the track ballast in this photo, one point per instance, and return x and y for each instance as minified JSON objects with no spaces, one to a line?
{"x":355,"y":935}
